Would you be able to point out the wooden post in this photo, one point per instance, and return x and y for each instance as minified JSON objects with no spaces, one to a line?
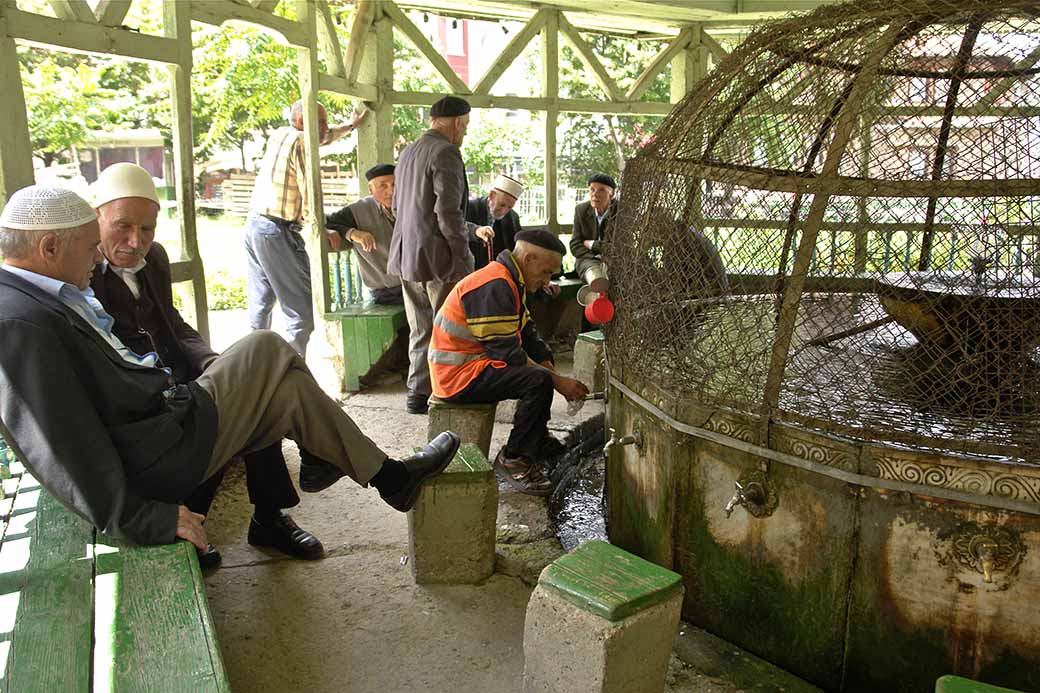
{"x":551,"y":94}
{"x":177,"y":25}
{"x":376,"y":135}
{"x":16,"y":168}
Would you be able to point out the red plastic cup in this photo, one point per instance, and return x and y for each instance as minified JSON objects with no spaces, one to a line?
{"x":599,"y":311}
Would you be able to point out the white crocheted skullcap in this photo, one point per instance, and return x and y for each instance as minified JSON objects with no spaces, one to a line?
{"x":46,"y":208}
{"x":124,"y":180}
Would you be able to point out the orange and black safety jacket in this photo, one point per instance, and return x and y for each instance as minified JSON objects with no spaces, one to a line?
{"x":483,"y":323}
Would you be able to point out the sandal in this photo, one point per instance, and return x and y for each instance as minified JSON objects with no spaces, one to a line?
{"x":522,"y":475}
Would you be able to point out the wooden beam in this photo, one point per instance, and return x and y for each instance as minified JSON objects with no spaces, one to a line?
{"x":1003,"y":85}
{"x":423,"y":45}
{"x":328,"y":40}
{"x":551,"y":93}
{"x":216,"y":12}
{"x":80,"y":37}
{"x":376,"y":134}
{"x":511,"y":52}
{"x":265,"y":5}
{"x":111,"y":12}
{"x":339,"y":85}
{"x":537,"y":103}
{"x":74,"y":10}
{"x":717,"y":51}
{"x":364,"y":15}
{"x":177,"y":28}
{"x":658,"y":63}
{"x":590,"y":60}
{"x":16,"y":167}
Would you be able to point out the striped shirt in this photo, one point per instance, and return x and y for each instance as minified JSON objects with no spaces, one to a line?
{"x":278,"y":192}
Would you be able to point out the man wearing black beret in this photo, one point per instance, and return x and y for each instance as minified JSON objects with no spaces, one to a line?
{"x":430,"y":246}
{"x":485,"y":348}
{"x":369,"y":225}
{"x":592,"y":222}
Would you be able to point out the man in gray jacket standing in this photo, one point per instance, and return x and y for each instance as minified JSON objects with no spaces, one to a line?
{"x":430,"y":245}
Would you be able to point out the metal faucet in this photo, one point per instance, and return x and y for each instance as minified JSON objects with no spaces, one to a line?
{"x":634,"y":438}
{"x":753,"y":493}
{"x":985,"y":550}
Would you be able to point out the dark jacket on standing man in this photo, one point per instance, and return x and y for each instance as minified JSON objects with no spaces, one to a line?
{"x":431,"y":236}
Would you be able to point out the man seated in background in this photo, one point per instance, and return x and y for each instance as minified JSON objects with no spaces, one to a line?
{"x":109,"y":433}
{"x":134,"y":286}
{"x":485,"y":349}
{"x":369,"y":225}
{"x":592,"y":223}
{"x":494,"y":210}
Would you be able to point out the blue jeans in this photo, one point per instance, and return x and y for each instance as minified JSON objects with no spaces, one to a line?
{"x":278,"y":269}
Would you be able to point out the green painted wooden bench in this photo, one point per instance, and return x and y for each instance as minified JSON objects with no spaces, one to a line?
{"x":83,"y":613}
{"x":956,"y":684}
{"x":368,"y":332}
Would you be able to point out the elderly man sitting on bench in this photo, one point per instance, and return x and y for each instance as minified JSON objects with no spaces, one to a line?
{"x":485,"y":348}
{"x":109,"y":433}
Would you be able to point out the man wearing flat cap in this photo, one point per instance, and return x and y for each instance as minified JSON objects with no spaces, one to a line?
{"x":592,"y":223}
{"x":485,"y":348}
{"x":369,"y":225}
{"x":109,"y":433}
{"x":495,"y":210}
{"x":430,"y":247}
{"x":134,"y":286}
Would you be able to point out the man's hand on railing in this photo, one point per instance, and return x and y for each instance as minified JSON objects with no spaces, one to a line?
{"x":364,"y":239}
{"x":335,"y":240}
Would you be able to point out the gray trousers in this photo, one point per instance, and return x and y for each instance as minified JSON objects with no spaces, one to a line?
{"x":422,"y":300}
{"x":264,"y":392}
{"x":278,"y":269}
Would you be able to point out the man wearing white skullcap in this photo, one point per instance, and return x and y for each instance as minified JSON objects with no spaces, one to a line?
{"x":494,"y":211}
{"x":134,"y":285}
{"x":109,"y":433}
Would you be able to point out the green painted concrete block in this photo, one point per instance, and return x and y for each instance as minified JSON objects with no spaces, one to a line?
{"x":956,"y":684}
{"x":609,"y":582}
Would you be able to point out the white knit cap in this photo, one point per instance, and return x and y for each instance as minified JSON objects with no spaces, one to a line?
{"x":46,"y":208}
{"x":510,"y":186}
{"x":124,"y":180}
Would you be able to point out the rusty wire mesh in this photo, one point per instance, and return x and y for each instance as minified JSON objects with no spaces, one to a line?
{"x":871,"y":166}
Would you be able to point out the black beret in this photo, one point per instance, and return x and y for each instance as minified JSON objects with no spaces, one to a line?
{"x":379,"y":170}
{"x":542,"y":239}
{"x":602,"y":179}
{"x":450,"y":107}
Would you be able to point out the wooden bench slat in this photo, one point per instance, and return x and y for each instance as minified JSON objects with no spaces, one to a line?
{"x":51,"y":638}
{"x":161,"y":636}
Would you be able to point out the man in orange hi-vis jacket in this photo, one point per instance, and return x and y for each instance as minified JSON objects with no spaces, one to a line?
{"x":485,"y":348}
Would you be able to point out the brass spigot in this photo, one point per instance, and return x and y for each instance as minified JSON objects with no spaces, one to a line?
{"x":985,"y":549}
{"x":752,"y":493}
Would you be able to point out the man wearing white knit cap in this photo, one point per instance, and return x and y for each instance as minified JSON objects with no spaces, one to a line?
{"x":494,"y":210}
{"x":109,"y":433}
{"x":134,"y":284}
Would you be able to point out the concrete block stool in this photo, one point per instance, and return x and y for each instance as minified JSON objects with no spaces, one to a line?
{"x":451,"y":529}
{"x":601,"y":620}
{"x":956,"y":684}
{"x":473,"y":423}
{"x":588,"y":360}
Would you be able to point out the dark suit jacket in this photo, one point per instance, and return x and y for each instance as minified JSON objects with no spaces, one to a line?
{"x":113,"y":441}
{"x":506,"y":228}
{"x":586,"y":229}
{"x":180,"y":347}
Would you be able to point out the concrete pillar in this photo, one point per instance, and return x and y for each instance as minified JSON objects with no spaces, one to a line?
{"x":473,"y":423}
{"x":451,"y":529}
{"x":601,"y":620}
{"x":588,"y":360}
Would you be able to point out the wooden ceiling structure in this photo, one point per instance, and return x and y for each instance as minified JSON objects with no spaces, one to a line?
{"x":363,"y":68}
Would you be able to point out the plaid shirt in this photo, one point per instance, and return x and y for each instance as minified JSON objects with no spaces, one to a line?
{"x":278,"y":192}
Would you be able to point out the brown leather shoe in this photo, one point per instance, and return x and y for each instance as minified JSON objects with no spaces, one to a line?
{"x":522,"y":474}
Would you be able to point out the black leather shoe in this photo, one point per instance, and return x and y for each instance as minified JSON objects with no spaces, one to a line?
{"x":429,"y":461}
{"x":285,"y":535}
{"x":316,"y":474}
{"x":418,"y":404}
{"x":210,"y":558}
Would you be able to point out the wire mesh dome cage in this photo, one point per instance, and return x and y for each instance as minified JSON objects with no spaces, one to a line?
{"x":869,"y":177}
